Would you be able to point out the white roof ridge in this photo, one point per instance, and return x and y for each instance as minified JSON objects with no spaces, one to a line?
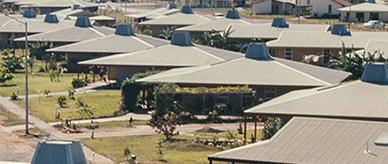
{"x":303,"y":73}
{"x":96,"y":31}
{"x":142,"y":41}
{"x":78,"y":43}
{"x":318,"y":90}
{"x":214,"y":56}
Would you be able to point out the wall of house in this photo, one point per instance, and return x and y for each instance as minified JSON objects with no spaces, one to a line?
{"x":353,"y":17}
{"x":73,"y":58}
{"x":320,"y":7}
{"x":300,"y":53}
{"x":120,"y":73}
{"x":263,"y":7}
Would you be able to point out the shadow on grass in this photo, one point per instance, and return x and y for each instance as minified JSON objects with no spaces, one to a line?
{"x":8,"y":85}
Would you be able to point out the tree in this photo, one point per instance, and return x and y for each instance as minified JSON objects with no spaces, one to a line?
{"x":11,"y":61}
{"x":167,"y":32}
{"x":38,"y":50}
{"x":84,"y":109}
{"x":5,"y":74}
{"x":165,"y":124}
{"x":271,"y":126}
{"x":221,"y":40}
{"x":62,"y":101}
{"x":354,"y":62}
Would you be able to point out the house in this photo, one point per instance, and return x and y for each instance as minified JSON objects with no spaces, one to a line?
{"x":267,"y":76}
{"x":231,"y":18}
{"x":171,"y":22}
{"x":46,"y":7}
{"x":364,"y":99}
{"x":364,"y":12}
{"x":124,"y":40}
{"x":179,"y":53}
{"x":12,"y":29}
{"x":214,"y":3}
{"x":316,"y":140}
{"x":80,"y":31}
{"x":102,"y":20}
{"x":324,"y":8}
{"x":58,"y":151}
{"x":274,"y":6}
{"x":270,"y":31}
{"x":153,"y":14}
{"x":296,"y":45}
{"x":69,"y":13}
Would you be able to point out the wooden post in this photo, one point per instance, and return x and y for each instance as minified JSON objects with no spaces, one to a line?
{"x":255,"y":132}
{"x":245,"y":130}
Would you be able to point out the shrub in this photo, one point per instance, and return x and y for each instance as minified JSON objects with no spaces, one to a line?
{"x":271,"y":126}
{"x":14,"y":96}
{"x":62,"y":101}
{"x":78,"y":83}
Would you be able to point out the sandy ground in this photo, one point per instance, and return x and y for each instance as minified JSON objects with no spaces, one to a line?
{"x":15,"y":148}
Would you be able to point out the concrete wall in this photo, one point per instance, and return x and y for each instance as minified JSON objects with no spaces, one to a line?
{"x":263,"y":7}
{"x":353,"y":17}
{"x":320,"y":7}
{"x":299,"y":53}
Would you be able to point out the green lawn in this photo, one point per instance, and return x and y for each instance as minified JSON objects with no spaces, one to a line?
{"x":104,"y":103}
{"x":9,"y":119}
{"x":37,"y":84}
{"x":146,"y":149}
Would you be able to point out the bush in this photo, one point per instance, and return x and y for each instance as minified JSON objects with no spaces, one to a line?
{"x":271,"y":126}
{"x":62,"y":101}
{"x":14,"y":96}
{"x":78,"y":83}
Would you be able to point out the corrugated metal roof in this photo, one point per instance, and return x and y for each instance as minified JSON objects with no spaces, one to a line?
{"x":59,"y":152}
{"x":34,"y":26}
{"x":356,"y":99}
{"x":220,"y":24}
{"x":324,"y":39}
{"x":51,"y":18}
{"x":178,"y":19}
{"x":70,"y":34}
{"x":111,"y":44}
{"x":366,"y":7}
{"x":316,"y":140}
{"x":265,"y":31}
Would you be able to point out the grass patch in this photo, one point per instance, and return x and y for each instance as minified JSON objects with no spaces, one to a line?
{"x":146,"y":149}
{"x":38,"y":82}
{"x":104,"y":103}
{"x":9,"y":119}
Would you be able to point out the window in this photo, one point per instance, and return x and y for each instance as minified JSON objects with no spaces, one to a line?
{"x":288,"y":54}
{"x":269,"y":94}
{"x":329,"y":9}
{"x":326,"y":52}
{"x":272,"y":52}
{"x":308,"y":2}
{"x":374,"y":16}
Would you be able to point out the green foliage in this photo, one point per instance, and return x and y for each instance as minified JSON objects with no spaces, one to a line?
{"x":11,"y":61}
{"x":38,"y":50}
{"x":271,"y":126}
{"x":221,"y":40}
{"x":214,"y":115}
{"x":354,"y":63}
{"x":14,"y":96}
{"x":72,"y":94}
{"x":167,"y":32}
{"x":134,"y":93}
{"x":46,"y":92}
{"x":62,"y":101}
{"x":78,"y":83}
{"x":84,"y":109}
{"x":165,"y":124}
{"x":5,"y":74}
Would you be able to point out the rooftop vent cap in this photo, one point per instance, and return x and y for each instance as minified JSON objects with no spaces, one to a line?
{"x":232,"y":14}
{"x":258,"y":51}
{"x":172,"y":5}
{"x":339,"y":29}
{"x":375,"y":73}
{"x":76,"y":6}
{"x":181,"y":39}
{"x":124,"y":29}
{"x":382,"y":139}
{"x":29,"y":13}
{"x":371,"y":1}
{"x":59,"y":152}
{"x":83,"y":21}
{"x":51,"y":18}
{"x":187,"y":10}
{"x":280,"y":23}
